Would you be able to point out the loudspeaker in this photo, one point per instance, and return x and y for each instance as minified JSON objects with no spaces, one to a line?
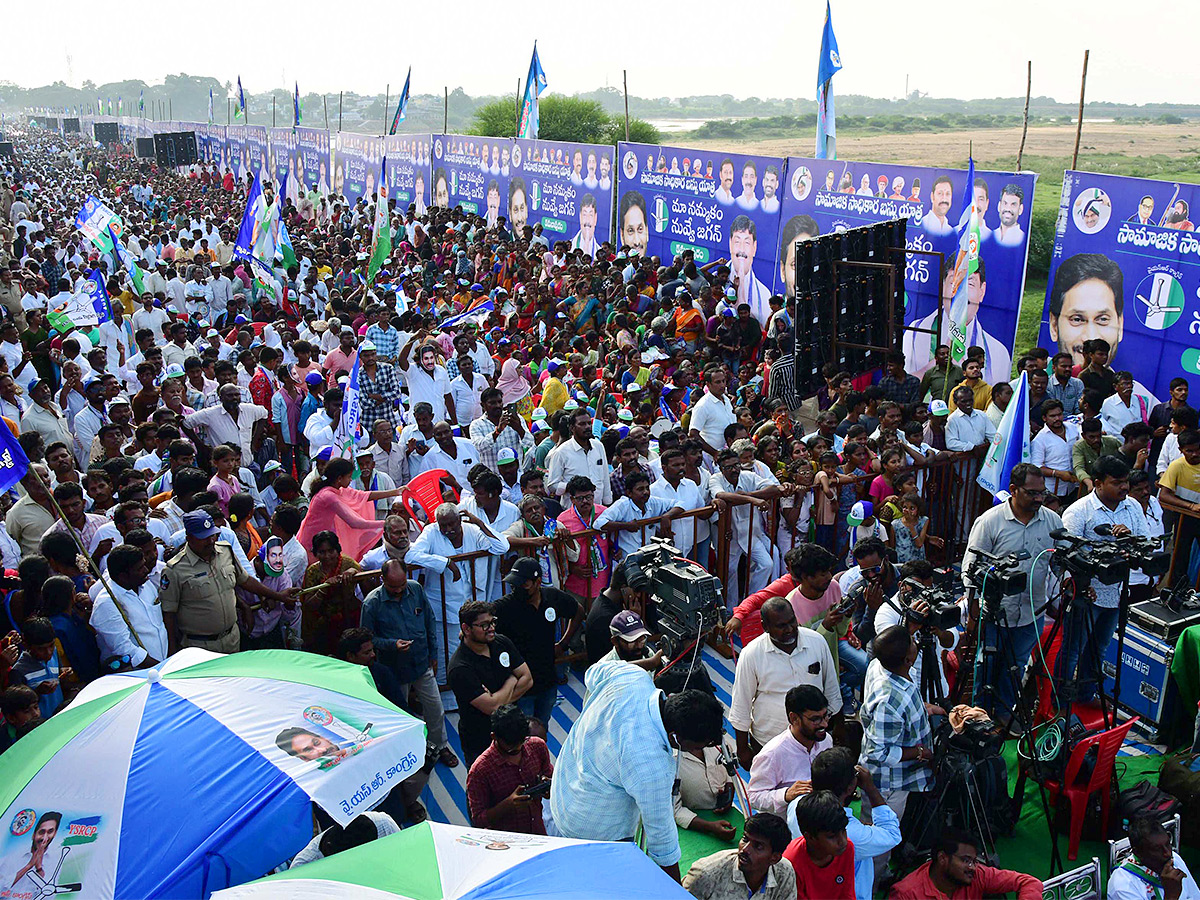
{"x":145,"y":148}
{"x":70,"y":126}
{"x":6,"y":148}
{"x":107,"y":132}
{"x":175,"y":148}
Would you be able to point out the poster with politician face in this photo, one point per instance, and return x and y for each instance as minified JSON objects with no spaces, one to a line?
{"x":471,"y":172}
{"x":408,"y":170}
{"x":310,"y":153}
{"x":825,"y":196}
{"x":720,"y":206}
{"x":566,"y":188}
{"x":1126,"y":270}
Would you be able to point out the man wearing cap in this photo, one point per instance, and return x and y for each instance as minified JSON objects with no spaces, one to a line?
{"x":531,"y":616}
{"x":379,"y":388}
{"x":629,"y":634}
{"x":199,"y":605}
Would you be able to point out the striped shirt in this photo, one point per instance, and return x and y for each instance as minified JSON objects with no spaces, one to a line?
{"x":893,"y":717}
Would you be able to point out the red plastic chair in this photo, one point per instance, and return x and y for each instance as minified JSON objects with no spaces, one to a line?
{"x":426,"y":491}
{"x":1089,"y":714}
{"x":1107,"y":744}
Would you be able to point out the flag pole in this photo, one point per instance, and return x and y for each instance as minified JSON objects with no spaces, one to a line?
{"x":325,"y":101}
{"x":625,"y":88}
{"x":445,"y":108}
{"x":517,"y":126}
{"x":1025,"y":126}
{"x":272,"y":109}
{"x":170,"y":108}
{"x":339,"y":110}
{"x":228,"y":103}
{"x":1079,"y":123}
{"x":387,"y":99}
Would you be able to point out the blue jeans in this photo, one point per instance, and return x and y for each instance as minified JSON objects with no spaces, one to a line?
{"x":1073,"y":653}
{"x":854,"y":668}
{"x":993,"y":684}
{"x":540,"y":705}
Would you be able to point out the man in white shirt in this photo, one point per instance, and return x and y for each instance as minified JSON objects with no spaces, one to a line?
{"x":232,"y":422}
{"x":581,"y":455}
{"x":126,"y":617}
{"x":1154,"y":869}
{"x":713,"y":413}
{"x":967,"y":429}
{"x":784,"y":656}
{"x":153,"y":317}
{"x":454,"y":454}
{"x":1124,"y":407}
{"x":427,"y":381}
{"x":683,"y":493}
{"x":1050,"y":450}
{"x":466,"y":388}
{"x":729,"y":484}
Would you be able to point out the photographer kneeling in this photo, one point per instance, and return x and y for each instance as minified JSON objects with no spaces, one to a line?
{"x":913,"y":611}
{"x":1093,"y":622}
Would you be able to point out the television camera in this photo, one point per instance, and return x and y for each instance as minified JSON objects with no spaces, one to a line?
{"x":940,"y":611}
{"x":996,"y":577}
{"x":689,"y":600}
{"x":1108,"y":561}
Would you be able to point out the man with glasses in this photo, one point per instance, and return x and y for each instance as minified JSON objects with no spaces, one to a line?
{"x":782,"y":770}
{"x":955,"y":872}
{"x":1020,"y":524}
{"x":507,"y":785}
{"x":486,"y":672}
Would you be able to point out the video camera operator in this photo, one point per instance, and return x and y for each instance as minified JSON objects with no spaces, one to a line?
{"x":913,"y":611}
{"x":1106,"y":514}
{"x":1020,"y":525}
{"x":873,"y":580}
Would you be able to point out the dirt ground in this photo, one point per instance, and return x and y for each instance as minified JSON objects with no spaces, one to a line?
{"x":992,"y":146}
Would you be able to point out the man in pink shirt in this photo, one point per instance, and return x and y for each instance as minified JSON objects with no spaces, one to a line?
{"x":341,"y":358}
{"x":782,"y":770}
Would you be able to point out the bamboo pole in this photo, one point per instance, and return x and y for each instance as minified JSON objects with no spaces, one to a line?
{"x":325,"y":102}
{"x":339,"y":110}
{"x":625,"y":88}
{"x":1025,"y":126}
{"x":387,"y":101}
{"x":517,"y":128}
{"x":446,"y":109}
{"x":1079,"y":124}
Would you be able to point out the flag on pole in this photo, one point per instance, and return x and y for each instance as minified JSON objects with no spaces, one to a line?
{"x":239,"y":104}
{"x":381,"y":239}
{"x":141,"y":101}
{"x":829,"y":64}
{"x":1011,"y":443}
{"x":966,"y":264}
{"x":84,"y":309}
{"x":255,"y":205}
{"x":401,"y":104}
{"x":345,"y":436}
{"x":120,"y":105}
{"x":125,"y":258}
{"x":210,"y":106}
{"x":13,"y":461}
{"x":477,"y":314}
{"x":285,"y":247}
{"x":535,"y":83}
{"x":296,"y":106}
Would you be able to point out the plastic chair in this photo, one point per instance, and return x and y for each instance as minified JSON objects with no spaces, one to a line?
{"x":1089,"y":714}
{"x":1107,"y":744}
{"x":426,"y":491}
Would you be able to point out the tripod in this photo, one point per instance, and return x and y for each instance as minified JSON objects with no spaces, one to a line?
{"x":999,"y":662}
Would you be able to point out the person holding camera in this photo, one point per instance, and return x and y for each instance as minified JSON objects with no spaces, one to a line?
{"x":1106,"y":514}
{"x":782,"y":770}
{"x":508,"y":782}
{"x":1021,"y":524}
{"x":910,"y":610}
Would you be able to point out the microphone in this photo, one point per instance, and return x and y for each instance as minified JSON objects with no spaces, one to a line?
{"x":1104,"y":529}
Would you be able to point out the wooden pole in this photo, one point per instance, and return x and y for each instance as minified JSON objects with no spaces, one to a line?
{"x":1025,"y":126}
{"x":171,"y":107}
{"x":446,"y":109}
{"x":228,"y":113}
{"x":325,"y":101}
{"x":387,"y":101}
{"x":1079,"y":124}
{"x":625,"y":88}
{"x":339,"y":110}
{"x":272,"y":109}
{"x":517,"y":127}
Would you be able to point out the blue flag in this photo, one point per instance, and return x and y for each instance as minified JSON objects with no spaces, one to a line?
{"x":13,"y":461}
{"x":346,"y":436}
{"x":239,"y":109}
{"x":828,"y":65}
{"x":94,"y":285}
{"x":475,"y":314}
{"x":535,"y":83}
{"x":296,"y":106}
{"x":246,"y":231}
{"x":1011,"y":443}
{"x":402,"y":103}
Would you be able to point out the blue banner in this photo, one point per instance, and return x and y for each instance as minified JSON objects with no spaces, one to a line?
{"x":472,"y":172}
{"x":235,"y":150}
{"x":311,"y":154}
{"x":567,"y":188}
{"x":833,"y":195}
{"x":283,"y":161}
{"x":721,"y":206}
{"x":256,"y":149}
{"x":1126,"y":268}
{"x":408,"y":170}
{"x":356,"y":160}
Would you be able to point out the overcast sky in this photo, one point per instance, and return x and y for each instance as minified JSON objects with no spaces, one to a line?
{"x":949,"y":48}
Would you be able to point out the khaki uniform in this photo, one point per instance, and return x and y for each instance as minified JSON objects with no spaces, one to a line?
{"x":10,"y":299}
{"x":201,"y":595}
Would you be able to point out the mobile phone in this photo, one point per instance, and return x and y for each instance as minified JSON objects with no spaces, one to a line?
{"x":541,"y":789}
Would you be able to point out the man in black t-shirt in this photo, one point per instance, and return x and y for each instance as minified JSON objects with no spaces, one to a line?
{"x":485,"y":672}
{"x":530,"y":618}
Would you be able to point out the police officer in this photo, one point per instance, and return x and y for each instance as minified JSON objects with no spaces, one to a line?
{"x":198,"y":603}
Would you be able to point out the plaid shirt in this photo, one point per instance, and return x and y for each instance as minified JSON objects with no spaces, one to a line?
{"x":452,"y":366}
{"x":481,"y":432}
{"x":493,"y":778}
{"x":385,"y":383}
{"x":893,"y":717}
{"x":903,"y":392}
{"x":387,"y":343}
{"x":617,"y":479}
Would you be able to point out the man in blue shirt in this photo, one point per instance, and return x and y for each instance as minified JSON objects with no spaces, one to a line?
{"x":399,"y":614}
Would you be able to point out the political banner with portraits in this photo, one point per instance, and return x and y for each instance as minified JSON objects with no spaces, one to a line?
{"x":1126,"y":269}
{"x":310,"y":159}
{"x":721,"y":206}
{"x":283,"y":162}
{"x":408,"y":170}
{"x":235,"y":150}
{"x":567,"y":188}
{"x":209,"y":139}
{"x":471,"y":172}
{"x":254,"y":153}
{"x":821,"y":196}
{"x":356,"y":160}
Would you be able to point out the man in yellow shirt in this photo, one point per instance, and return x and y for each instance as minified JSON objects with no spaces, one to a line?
{"x":973,"y":378}
{"x":1179,"y":493}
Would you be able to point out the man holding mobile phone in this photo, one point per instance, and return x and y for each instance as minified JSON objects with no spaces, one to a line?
{"x":511,"y":778}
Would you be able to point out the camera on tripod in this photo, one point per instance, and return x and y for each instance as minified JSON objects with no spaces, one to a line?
{"x":690,"y":600}
{"x":997,"y":577}
{"x":1109,"y":561}
{"x":942,"y":611}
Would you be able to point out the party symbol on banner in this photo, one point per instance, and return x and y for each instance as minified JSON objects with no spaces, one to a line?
{"x":661,"y":217}
{"x":1161,"y":300}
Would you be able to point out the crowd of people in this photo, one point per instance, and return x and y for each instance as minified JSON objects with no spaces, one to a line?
{"x":188,"y":488}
